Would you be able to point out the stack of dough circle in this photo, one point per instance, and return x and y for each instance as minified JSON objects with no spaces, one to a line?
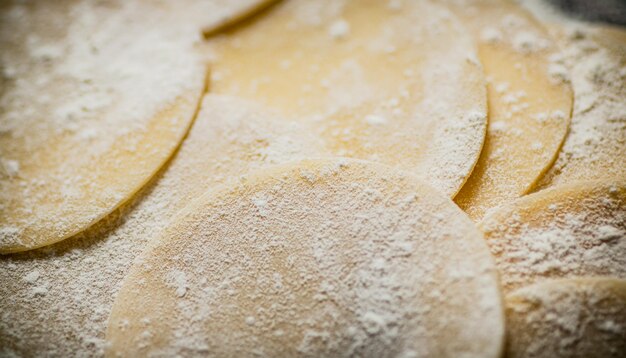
{"x":595,"y":147}
{"x":92,"y":105}
{"x":74,"y":282}
{"x":572,"y":230}
{"x":96,"y":96}
{"x":584,"y":317}
{"x":283,"y":184}
{"x":317,"y":258}
{"x":529,"y":103}
{"x":397,"y":83}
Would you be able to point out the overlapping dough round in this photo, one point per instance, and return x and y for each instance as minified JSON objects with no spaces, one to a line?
{"x":95,"y":98}
{"x":398,"y":83}
{"x":583,"y":317}
{"x":595,"y":147}
{"x":571,"y":230}
{"x":324,"y":257}
{"x":530,"y":102}
{"x":56,"y":300}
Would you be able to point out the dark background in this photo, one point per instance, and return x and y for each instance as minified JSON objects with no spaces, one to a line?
{"x":611,"y":11}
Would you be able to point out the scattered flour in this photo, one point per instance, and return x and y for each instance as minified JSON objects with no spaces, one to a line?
{"x":573,"y":230}
{"x":353,"y":64}
{"x":583,"y":317}
{"x":516,"y":52}
{"x":370,"y":263}
{"x":375,"y":120}
{"x":339,"y":29}
{"x":594,"y":56}
{"x":71,"y":285}
{"x":80,"y":103}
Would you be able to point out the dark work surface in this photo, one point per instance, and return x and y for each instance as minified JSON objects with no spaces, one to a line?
{"x":610,"y":11}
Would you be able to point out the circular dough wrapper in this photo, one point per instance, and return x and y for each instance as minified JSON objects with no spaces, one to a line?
{"x":572,"y":230}
{"x":595,"y":146}
{"x":394,"y":83}
{"x":529,"y":103}
{"x":318,"y":258}
{"x":94,"y":100}
{"x":584,"y":317}
{"x":75,"y":281}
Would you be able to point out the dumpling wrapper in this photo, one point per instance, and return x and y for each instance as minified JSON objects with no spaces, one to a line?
{"x":329,"y":257}
{"x":595,"y":147}
{"x":56,"y":300}
{"x":96,"y":96}
{"x":530,"y":102}
{"x":397,"y":83}
{"x":572,"y":230}
{"x":582,"y":317}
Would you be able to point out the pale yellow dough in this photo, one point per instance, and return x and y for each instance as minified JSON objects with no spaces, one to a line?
{"x":529,"y":103}
{"x":595,"y":148}
{"x":577,"y":318}
{"x":329,"y":257}
{"x":571,"y":230}
{"x":91,"y":107}
{"x":96,"y":96}
{"x":56,"y":300}
{"x":393,"y":82}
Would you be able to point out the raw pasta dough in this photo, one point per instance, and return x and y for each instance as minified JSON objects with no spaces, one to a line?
{"x":92,"y":105}
{"x":96,"y":96}
{"x":56,"y":300}
{"x":572,"y":230}
{"x":318,"y":258}
{"x":595,"y":148}
{"x":530,"y":102}
{"x":577,"y":318}
{"x":397,"y":83}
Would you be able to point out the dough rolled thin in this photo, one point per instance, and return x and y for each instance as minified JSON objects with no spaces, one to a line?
{"x":321,"y":257}
{"x":96,"y":96}
{"x":397,"y":83}
{"x":573,"y":318}
{"x":530,"y":101}
{"x":56,"y":300}
{"x":94,"y":101}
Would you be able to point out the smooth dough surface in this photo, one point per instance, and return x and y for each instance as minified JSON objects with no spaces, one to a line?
{"x":576,"y":318}
{"x":86,"y":121}
{"x":595,"y":147}
{"x":572,"y":230}
{"x":329,"y":257}
{"x":393,"y":82}
{"x":56,"y":300}
{"x":94,"y":100}
{"x":530,"y":102}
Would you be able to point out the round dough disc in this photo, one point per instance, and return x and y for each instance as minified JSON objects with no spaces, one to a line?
{"x":583,"y":317}
{"x":595,"y":146}
{"x":74,"y":281}
{"x":529,"y":104}
{"x":94,"y":100}
{"x":229,"y":138}
{"x":572,"y":230}
{"x":394,"y":83}
{"x":317,"y":258}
